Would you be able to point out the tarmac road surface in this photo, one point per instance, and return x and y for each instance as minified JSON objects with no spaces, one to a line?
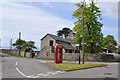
{"x":14,"y":67}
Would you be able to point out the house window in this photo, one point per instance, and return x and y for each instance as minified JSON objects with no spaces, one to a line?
{"x":70,"y":51}
{"x":52,"y":49}
{"x":51,"y":43}
{"x":65,"y":50}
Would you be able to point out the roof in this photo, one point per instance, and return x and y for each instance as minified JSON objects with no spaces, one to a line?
{"x":70,"y":40}
{"x":56,"y":37}
{"x":67,"y":46}
{"x":65,"y":43}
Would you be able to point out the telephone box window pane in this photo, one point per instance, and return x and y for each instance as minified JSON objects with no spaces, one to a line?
{"x":51,"y":43}
{"x":59,"y":54}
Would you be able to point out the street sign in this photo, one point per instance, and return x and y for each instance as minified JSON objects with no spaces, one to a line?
{"x":76,"y":44}
{"x":83,"y":43}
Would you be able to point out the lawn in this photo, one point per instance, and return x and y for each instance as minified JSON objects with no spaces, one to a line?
{"x":74,"y":66}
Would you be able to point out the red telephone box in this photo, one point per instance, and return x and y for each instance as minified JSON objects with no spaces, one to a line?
{"x":58,"y":54}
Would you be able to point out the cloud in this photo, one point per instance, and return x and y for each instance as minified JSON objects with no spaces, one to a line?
{"x":110,"y":31}
{"x":46,"y":4}
{"x":56,"y":0}
{"x":33,"y":22}
{"x":109,"y":9}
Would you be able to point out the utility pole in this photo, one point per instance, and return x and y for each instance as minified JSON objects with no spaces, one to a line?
{"x":19,"y":42}
{"x":10,"y":43}
{"x":83,"y":34}
{"x":79,"y":50}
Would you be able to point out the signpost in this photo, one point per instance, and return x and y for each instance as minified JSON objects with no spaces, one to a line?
{"x":79,"y":48}
{"x":83,"y":43}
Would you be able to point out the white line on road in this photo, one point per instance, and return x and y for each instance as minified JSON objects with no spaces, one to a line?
{"x":22,"y":73}
{"x":43,"y":61}
{"x":38,"y":75}
{"x":16,"y":64}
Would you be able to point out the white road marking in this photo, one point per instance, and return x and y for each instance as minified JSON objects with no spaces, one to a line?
{"x":22,"y":73}
{"x":16,"y":64}
{"x":46,"y":75}
{"x":38,"y":75}
{"x":43,"y":61}
{"x":49,"y":72}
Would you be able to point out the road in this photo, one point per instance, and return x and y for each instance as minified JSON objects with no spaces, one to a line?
{"x":0,"y":68}
{"x":14,"y":67}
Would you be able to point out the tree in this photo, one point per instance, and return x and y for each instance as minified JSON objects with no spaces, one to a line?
{"x":25,"y":46}
{"x":59,"y":33}
{"x":19,"y":43}
{"x":64,"y":32}
{"x":110,"y":43}
{"x":119,"y":49}
{"x":29,"y":46}
{"x":92,"y":25}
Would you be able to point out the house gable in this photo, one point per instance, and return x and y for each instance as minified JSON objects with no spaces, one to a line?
{"x":45,"y":41}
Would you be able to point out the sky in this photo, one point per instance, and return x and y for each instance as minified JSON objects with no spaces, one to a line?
{"x":35,"y":19}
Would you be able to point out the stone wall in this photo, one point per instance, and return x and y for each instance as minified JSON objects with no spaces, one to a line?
{"x":68,"y":56}
{"x":28,"y":54}
{"x":12,"y":51}
{"x":43,"y":53}
{"x":46,"y":41}
{"x":16,"y":51}
{"x":87,"y":57}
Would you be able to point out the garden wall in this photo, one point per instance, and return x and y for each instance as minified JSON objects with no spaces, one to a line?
{"x":69,"y":56}
{"x":16,"y":51}
{"x":87,"y":57}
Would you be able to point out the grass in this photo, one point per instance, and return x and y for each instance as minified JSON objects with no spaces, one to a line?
{"x":12,"y":54}
{"x":0,"y":58}
{"x":74,"y":66}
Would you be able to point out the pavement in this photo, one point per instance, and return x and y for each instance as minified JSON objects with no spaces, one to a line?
{"x":45,"y":61}
{"x":14,"y":67}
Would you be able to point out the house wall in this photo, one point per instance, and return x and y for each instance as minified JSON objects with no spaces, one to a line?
{"x":46,"y":41}
{"x":71,"y":36}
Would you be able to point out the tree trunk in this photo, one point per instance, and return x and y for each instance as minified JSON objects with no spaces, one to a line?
{"x":92,"y":49}
{"x":24,"y":54}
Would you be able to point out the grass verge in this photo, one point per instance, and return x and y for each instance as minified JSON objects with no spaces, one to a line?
{"x":12,"y":54}
{"x":0,"y":58}
{"x":74,"y":66}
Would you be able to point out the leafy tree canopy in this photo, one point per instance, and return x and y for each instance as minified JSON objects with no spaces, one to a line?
{"x":26,"y":46}
{"x":109,"y":42}
{"x":19,"y":43}
{"x":92,"y":26}
{"x":64,"y":32}
{"x":29,"y":46}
